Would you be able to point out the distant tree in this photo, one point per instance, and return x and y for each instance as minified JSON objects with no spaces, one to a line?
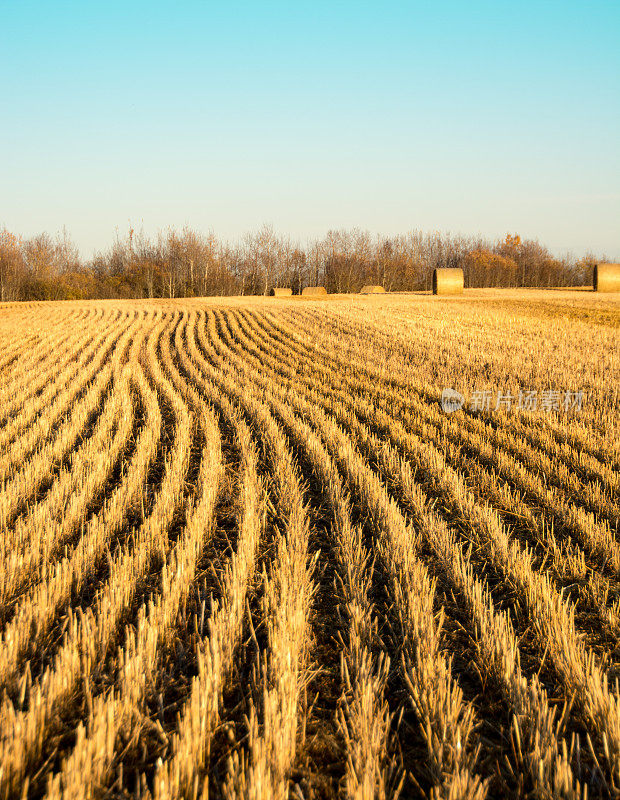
{"x":583,"y":270}
{"x":12,"y":269}
{"x":187,"y":263}
{"x":484,"y":268}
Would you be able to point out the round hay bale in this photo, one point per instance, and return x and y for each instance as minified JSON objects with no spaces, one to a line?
{"x":372,"y":290}
{"x":448,"y":281}
{"x":607,"y":277}
{"x":313,"y":291}
{"x":281,"y":291}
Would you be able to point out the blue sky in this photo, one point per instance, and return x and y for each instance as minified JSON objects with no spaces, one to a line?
{"x":470,"y":117}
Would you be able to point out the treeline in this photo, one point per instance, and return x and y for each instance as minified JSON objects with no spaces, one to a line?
{"x":189,"y":264}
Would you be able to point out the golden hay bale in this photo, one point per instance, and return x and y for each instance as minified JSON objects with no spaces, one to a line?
{"x":372,"y":290}
{"x":447,"y":281}
{"x":281,"y":291}
{"x":313,"y":290}
{"x":607,"y":277}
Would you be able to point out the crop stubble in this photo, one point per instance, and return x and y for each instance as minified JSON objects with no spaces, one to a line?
{"x":245,"y":554}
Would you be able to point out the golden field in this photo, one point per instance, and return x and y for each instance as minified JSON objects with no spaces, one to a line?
{"x":245,"y":552}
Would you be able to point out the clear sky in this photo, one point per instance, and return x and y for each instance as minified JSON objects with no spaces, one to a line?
{"x":470,"y":117}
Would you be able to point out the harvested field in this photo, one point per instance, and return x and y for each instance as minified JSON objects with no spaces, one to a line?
{"x":245,"y":553}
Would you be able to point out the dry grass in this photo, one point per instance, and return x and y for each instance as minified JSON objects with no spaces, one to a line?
{"x":245,"y":553}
